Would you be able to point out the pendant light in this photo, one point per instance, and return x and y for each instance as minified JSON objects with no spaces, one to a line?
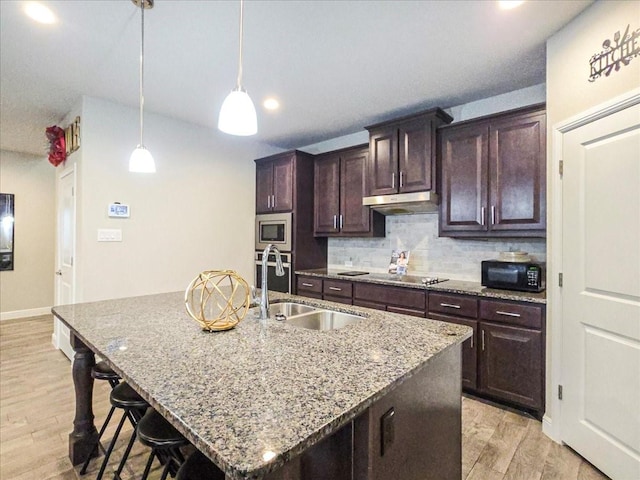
{"x":141,"y":159}
{"x":238,"y":115}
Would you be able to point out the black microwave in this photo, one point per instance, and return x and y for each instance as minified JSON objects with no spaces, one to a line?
{"x":523,"y":276}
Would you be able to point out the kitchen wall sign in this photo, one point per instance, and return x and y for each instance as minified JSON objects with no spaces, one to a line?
{"x":615,"y":53}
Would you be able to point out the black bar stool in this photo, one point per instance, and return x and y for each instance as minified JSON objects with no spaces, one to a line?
{"x":102,"y":371}
{"x":133,"y":405}
{"x":199,"y":467}
{"x":165,"y":441}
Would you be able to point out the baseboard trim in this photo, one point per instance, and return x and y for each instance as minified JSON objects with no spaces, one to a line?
{"x":31,"y":312}
{"x":549,"y":429}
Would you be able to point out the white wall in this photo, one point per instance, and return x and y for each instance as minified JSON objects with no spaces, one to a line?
{"x":569,"y":93}
{"x":28,"y":289}
{"x":196,"y":213}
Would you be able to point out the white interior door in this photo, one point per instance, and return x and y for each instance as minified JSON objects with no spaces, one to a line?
{"x":65,"y":273}
{"x":600,"y":410}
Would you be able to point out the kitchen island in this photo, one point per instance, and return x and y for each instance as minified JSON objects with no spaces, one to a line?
{"x":377,"y":399}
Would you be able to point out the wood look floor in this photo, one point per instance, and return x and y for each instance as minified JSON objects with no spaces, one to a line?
{"x":37,"y":407}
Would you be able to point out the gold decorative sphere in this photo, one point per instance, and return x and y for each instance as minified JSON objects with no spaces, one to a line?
{"x":217,"y":299}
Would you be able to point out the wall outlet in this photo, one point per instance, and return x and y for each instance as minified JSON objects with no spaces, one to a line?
{"x":109,"y":235}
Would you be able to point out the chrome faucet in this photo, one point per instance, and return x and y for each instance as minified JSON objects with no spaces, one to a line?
{"x":264,"y":295}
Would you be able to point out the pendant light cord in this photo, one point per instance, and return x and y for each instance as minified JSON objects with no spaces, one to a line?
{"x":142,"y":76}
{"x":239,"y":85}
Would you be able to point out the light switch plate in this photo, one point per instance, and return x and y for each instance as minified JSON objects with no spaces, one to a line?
{"x":109,"y":235}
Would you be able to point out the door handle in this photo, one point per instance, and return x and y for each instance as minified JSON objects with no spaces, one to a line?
{"x":59,"y":272}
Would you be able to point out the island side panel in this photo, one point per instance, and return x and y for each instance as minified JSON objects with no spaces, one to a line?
{"x":425,"y":427}
{"x":84,"y":435}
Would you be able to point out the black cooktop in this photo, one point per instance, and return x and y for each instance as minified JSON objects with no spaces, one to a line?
{"x":353,"y":273}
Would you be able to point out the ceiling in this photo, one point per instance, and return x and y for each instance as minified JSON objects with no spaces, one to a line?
{"x":335,"y":66}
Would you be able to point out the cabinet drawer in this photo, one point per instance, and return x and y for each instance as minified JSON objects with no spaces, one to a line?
{"x":512,"y":313}
{"x":309,"y":284}
{"x":458,"y":305}
{"x":337,"y":288}
{"x":406,"y":311}
{"x":402,"y":297}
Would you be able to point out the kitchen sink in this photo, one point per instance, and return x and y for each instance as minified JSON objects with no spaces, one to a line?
{"x":289,"y":309}
{"x":323,"y":320}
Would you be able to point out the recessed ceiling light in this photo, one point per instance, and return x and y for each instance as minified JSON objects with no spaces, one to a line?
{"x":39,"y":12}
{"x":509,"y":4}
{"x":271,"y":104}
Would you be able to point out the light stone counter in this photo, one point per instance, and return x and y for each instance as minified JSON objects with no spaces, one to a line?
{"x":415,"y":281}
{"x":254,"y":397}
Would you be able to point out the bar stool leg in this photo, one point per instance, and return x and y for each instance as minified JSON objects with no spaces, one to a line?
{"x":107,"y":454}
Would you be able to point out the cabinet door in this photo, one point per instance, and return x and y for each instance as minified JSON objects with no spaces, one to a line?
{"x":326,"y":195}
{"x":264,"y":186}
{"x":517,"y":173}
{"x":282,"y":185}
{"x":355,"y":217}
{"x":464,"y":157}
{"x":416,"y":164}
{"x":383,"y":164}
{"x":511,"y":364}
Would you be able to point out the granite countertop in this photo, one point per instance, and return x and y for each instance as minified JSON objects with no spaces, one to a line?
{"x":256,"y":396}
{"x":415,"y":281}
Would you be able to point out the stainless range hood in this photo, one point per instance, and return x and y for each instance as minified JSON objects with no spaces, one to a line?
{"x":403,"y":203}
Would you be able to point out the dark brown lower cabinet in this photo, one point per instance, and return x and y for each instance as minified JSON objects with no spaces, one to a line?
{"x":511,"y":364}
{"x":407,"y":301}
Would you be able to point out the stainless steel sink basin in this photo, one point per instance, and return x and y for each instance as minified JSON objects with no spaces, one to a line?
{"x":323,"y":320}
{"x":289,"y":309}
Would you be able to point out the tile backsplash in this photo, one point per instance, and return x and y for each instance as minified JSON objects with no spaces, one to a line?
{"x":437,"y":256}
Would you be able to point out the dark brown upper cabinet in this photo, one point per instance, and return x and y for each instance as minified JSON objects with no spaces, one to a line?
{"x":339,"y":185}
{"x":492,"y":174}
{"x":403,"y":153}
{"x":274,"y":183}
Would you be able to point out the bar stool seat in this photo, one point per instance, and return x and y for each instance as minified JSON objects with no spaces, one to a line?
{"x":102,"y":371}
{"x":199,"y":467}
{"x":165,"y":441}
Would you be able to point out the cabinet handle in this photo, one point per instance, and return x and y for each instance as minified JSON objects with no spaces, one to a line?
{"x":268,"y":201}
{"x":335,"y":288}
{"x":393,"y":180}
{"x":401,"y":179}
{"x":493,"y":214}
{"x":508,"y":314}
{"x":449,"y":305}
{"x":482,"y":331}
{"x":483,"y":214}
{"x":273,"y":201}
{"x":471,"y":341}
{"x":307,"y":284}
{"x":335,"y":222}
{"x":341,"y":221}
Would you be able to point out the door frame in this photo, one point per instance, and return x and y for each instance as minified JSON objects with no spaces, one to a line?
{"x":551,"y":424}
{"x":68,"y":170}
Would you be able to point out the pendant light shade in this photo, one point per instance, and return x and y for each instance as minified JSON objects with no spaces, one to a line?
{"x":238,"y":115}
{"x":141,"y":159}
